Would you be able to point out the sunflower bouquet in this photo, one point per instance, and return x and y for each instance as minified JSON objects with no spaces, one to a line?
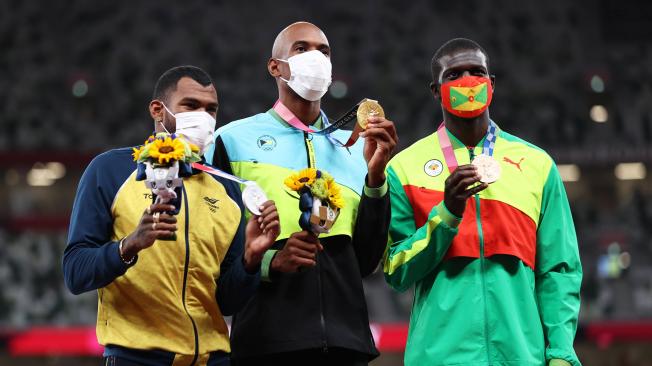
{"x":320,"y":199}
{"x":162,"y":160}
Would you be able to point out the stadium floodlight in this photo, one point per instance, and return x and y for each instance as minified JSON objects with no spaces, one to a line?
{"x":43,"y":175}
{"x":338,"y":89}
{"x":599,"y":113}
{"x":569,"y":172}
{"x":630,"y":171}
{"x":80,"y":88}
{"x":597,"y":84}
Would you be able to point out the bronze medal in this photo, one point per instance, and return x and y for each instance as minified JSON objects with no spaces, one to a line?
{"x":488,"y":168}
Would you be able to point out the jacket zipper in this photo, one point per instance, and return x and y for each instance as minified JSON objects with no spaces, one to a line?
{"x":482,"y":264}
{"x":310,"y":151}
{"x":185,"y":275}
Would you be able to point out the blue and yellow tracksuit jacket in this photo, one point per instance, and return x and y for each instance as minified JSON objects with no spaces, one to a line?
{"x":171,"y":302}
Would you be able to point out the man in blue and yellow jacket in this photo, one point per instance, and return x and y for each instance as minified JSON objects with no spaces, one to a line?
{"x":162,"y":302}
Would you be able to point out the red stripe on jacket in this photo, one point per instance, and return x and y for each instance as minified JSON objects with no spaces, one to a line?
{"x":506,"y":230}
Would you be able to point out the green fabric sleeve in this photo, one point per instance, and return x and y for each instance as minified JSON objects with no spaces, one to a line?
{"x":376,"y":192}
{"x":558,"y":271}
{"x":413,"y":252}
{"x":266,"y":265}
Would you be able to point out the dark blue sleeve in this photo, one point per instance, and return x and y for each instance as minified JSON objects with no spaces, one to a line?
{"x":91,"y":260}
{"x":235,"y":286}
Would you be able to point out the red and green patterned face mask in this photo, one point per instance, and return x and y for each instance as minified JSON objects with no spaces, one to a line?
{"x":468,"y":96}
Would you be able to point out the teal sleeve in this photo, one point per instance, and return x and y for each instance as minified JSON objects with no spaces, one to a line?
{"x":558,"y":271}
{"x":414,"y":252}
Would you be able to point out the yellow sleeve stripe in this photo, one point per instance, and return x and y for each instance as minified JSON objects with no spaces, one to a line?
{"x":401,"y":257}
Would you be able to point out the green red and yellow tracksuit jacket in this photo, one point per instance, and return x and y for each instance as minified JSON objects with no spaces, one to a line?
{"x":499,"y":286}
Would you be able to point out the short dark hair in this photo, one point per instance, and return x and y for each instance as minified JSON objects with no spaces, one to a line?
{"x":168,"y":81}
{"x":452,"y":46}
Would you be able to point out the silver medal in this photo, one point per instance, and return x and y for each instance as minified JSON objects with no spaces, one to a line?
{"x":253,"y":197}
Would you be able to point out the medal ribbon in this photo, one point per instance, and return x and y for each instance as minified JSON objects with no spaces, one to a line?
{"x":447,"y":147}
{"x":289,"y":117}
{"x":222,"y":174}
{"x":252,"y":187}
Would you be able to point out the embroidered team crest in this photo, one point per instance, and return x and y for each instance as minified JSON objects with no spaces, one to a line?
{"x":433,"y":167}
{"x":266,"y":142}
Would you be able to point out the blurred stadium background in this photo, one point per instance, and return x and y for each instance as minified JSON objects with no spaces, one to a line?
{"x":574,"y":77}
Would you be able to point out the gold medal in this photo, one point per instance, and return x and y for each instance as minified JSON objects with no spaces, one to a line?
{"x":368,"y":108}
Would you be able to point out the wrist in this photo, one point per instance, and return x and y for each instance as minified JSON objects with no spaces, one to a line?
{"x":449,"y":218}
{"x":251,"y":261}
{"x":375,"y":180}
{"x":275,"y":263}
{"x":126,"y":256}
{"x":453,"y":209}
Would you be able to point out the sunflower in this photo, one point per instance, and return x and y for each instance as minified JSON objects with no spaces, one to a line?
{"x":336,"y":200}
{"x":136,"y":153}
{"x":334,"y":193}
{"x":166,"y":150}
{"x":193,"y":147}
{"x":306,"y":177}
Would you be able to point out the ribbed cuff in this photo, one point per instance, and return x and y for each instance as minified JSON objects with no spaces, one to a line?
{"x":376,"y":192}
{"x":447,"y":217}
{"x":266,"y":265}
{"x":562,"y":354}
{"x":558,"y":362}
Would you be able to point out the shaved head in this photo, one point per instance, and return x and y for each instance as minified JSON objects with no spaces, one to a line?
{"x":296,"y":32}
{"x":297,"y":38}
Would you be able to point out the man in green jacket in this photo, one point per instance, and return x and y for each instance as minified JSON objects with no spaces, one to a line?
{"x":482,"y":227}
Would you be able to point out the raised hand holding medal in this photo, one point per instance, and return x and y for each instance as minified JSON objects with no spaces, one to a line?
{"x":319,"y":211}
{"x":380,"y":140}
{"x":263,"y":227}
{"x":365,"y":112}
{"x":461,"y":184}
{"x":368,"y":108}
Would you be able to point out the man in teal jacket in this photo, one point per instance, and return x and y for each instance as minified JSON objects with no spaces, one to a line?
{"x":490,"y":246}
{"x":310,"y":308}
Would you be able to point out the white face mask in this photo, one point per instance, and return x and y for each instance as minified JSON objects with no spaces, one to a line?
{"x":197,"y":127}
{"x":310,"y":74}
